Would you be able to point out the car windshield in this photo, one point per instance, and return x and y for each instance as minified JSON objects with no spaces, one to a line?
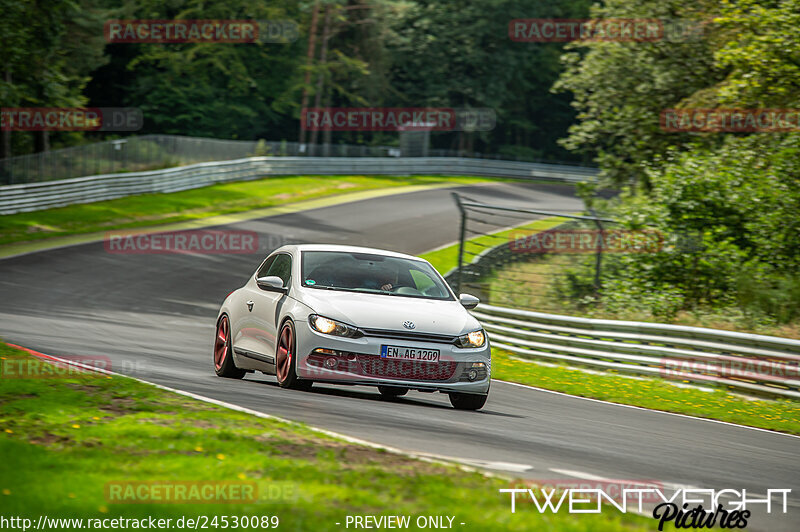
{"x":372,"y":273}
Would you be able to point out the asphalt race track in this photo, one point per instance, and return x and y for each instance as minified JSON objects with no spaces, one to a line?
{"x":153,"y":317}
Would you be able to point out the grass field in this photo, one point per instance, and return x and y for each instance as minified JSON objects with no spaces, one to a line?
{"x":155,"y":209}
{"x":446,"y":258}
{"x":71,"y":444}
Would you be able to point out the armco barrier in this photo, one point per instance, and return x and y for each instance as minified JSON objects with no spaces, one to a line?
{"x":755,"y":363}
{"x":36,"y":196}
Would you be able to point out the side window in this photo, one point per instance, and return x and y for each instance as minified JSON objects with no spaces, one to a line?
{"x":282,"y":267}
{"x":262,"y":271}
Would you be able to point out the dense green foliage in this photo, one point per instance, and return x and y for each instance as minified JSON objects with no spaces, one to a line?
{"x":394,"y":53}
{"x":739,"y":194}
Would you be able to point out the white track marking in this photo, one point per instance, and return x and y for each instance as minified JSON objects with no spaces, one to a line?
{"x":511,"y":467}
{"x":648,"y":409}
{"x":577,"y":474}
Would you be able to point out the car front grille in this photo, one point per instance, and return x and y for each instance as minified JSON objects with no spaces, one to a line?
{"x":410,"y":336}
{"x":375,"y":366}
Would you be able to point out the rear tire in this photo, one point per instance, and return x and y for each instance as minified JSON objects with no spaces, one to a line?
{"x":286,"y":360}
{"x":391,"y":391}
{"x":467,"y":401}
{"x":223,"y":352}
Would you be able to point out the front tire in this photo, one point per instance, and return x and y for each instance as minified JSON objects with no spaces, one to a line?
{"x":467,"y":401}
{"x":286,"y":360}
{"x":223,"y":352}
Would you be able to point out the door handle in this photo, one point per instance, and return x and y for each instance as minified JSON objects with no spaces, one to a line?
{"x":250,"y":305}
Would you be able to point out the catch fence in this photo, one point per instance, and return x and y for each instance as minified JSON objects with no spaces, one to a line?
{"x":154,"y":152}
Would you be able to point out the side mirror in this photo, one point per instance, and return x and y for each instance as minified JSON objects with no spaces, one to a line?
{"x":468,"y":302}
{"x":273,"y":283}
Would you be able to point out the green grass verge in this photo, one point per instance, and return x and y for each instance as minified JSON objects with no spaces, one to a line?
{"x":530,"y":285}
{"x":445,"y":259}
{"x":155,"y":209}
{"x":64,"y":439}
{"x":781,"y":415}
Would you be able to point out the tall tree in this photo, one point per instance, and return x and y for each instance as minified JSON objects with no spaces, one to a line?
{"x":49,"y":47}
{"x":620,"y":88}
{"x":448,"y":53}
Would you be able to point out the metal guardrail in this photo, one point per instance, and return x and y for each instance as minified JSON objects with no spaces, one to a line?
{"x":37,"y":196}
{"x":150,"y":152}
{"x":760,"y":364}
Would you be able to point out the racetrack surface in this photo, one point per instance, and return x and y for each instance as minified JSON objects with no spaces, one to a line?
{"x":153,"y":317}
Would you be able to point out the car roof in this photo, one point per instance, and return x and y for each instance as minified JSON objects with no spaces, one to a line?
{"x":347,"y":249}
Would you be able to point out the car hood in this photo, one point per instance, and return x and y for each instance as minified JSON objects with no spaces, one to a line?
{"x":373,"y":311}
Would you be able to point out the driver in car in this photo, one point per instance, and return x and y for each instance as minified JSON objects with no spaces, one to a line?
{"x":385,"y":279}
{"x":389,"y":281}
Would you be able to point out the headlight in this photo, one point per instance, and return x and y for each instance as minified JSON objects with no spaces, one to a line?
{"x":472,"y":339}
{"x":332,"y":327}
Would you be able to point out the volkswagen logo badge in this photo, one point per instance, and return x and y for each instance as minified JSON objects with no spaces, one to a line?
{"x":409,"y":324}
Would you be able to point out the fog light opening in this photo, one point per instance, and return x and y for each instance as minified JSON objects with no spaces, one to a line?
{"x":330,"y":362}
{"x":472,"y":374}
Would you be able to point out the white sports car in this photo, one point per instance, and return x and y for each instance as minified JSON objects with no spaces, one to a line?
{"x":351,"y":315}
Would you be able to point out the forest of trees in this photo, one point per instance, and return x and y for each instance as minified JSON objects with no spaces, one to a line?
{"x":738,"y":192}
{"x":387,"y":53}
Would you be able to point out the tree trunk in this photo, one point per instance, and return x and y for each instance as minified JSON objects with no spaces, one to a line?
{"x":323,"y":57}
{"x":326,"y":135}
{"x":312,"y":43}
{"x":41,"y":141}
{"x":5,"y":136}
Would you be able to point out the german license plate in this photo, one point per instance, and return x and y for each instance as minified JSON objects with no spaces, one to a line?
{"x":397,"y":352}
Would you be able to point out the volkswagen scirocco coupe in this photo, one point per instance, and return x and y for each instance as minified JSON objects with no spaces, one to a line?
{"x":358,"y":316}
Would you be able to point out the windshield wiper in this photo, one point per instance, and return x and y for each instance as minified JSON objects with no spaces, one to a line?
{"x":324,"y":287}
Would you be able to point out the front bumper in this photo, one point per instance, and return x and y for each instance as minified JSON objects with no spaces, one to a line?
{"x":334,"y":359}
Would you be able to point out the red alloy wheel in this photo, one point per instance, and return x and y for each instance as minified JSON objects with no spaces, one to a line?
{"x":283,"y":362}
{"x":221,"y":343}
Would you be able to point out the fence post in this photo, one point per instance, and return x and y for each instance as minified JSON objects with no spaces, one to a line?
{"x":461,"y":238}
{"x":599,"y":255}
